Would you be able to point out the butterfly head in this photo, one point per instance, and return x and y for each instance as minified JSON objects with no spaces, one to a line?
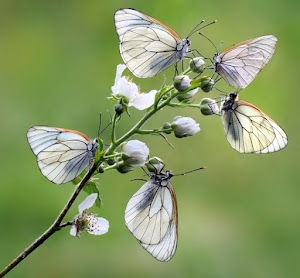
{"x":163,"y":177}
{"x":229,"y":101}
{"x":217,"y":58}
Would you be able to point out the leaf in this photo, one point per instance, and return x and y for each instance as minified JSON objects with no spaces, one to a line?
{"x":91,"y":187}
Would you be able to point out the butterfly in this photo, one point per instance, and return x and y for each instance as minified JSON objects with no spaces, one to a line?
{"x":151,"y":216}
{"x":248,"y":129}
{"x":147,"y":45}
{"x":62,"y":154}
{"x":239,"y":64}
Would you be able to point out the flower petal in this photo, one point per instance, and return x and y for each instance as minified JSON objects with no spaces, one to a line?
{"x":73,"y":231}
{"x":126,"y":89}
{"x":120,"y":69}
{"x":88,"y":202}
{"x":144,"y":100}
{"x":97,"y":225}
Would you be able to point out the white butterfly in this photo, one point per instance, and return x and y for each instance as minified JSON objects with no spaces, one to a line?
{"x":62,"y":154}
{"x":151,"y":216}
{"x":240,"y":63}
{"x":248,"y":129}
{"x":147,"y":45}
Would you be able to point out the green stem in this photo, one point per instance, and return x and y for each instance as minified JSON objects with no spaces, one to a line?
{"x":183,"y":105}
{"x":111,"y":156}
{"x":153,"y":131}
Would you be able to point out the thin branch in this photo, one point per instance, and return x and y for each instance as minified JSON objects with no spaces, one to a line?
{"x":56,"y":226}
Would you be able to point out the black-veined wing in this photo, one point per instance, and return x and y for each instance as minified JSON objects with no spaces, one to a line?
{"x":249,"y":130}
{"x":240,"y":64}
{"x":62,"y":154}
{"x":151,"y":216}
{"x":147,"y":45}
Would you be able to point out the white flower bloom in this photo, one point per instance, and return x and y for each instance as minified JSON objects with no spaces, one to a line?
{"x":88,"y":221}
{"x":135,"y":153}
{"x":184,"y":126}
{"x":144,"y":100}
{"x":182,"y":82}
{"x":129,"y":90}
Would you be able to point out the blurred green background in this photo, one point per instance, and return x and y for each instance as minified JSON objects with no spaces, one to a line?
{"x":237,"y":218}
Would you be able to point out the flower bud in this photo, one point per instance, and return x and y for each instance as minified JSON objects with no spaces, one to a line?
{"x":188,"y":95}
{"x":123,"y":168}
{"x":208,"y":107}
{"x":197,"y":65}
{"x":184,"y":126}
{"x":167,"y":126}
{"x":207,"y":85}
{"x":119,"y":108}
{"x":111,"y":161}
{"x":135,"y":153}
{"x":182,"y":82}
{"x":101,"y":169}
{"x":155,"y":165}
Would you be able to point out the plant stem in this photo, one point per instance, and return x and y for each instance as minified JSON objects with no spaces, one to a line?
{"x":56,"y":226}
{"x":183,"y":105}
{"x":152,"y":131}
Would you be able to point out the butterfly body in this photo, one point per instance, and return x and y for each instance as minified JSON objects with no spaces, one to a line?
{"x":147,"y":45}
{"x":151,"y":216}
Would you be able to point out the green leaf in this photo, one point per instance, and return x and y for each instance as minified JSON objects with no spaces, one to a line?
{"x":92,"y":187}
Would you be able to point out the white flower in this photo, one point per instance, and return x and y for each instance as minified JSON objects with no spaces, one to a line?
{"x":182,"y":82}
{"x":129,"y":90}
{"x":184,"y":126}
{"x":135,"y":153}
{"x":88,"y":221}
{"x":208,"y":107}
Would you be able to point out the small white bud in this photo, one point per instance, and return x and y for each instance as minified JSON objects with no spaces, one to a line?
{"x":155,"y":164}
{"x":197,"y":65}
{"x":188,"y":95}
{"x":182,"y":82}
{"x":184,"y":126}
{"x":208,"y":107}
{"x":207,"y":85}
{"x":135,"y":153}
{"x":123,"y":168}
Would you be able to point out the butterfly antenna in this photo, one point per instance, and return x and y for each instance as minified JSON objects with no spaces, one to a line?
{"x":197,"y":30}
{"x":209,"y":41}
{"x":183,"y":174}
{"x":213,"y":22}
{"x":194,"y":29}
{"x":221,"y":46}
{"x":99,"y":128}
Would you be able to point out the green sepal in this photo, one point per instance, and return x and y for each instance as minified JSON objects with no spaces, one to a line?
{"x":92,"y":187}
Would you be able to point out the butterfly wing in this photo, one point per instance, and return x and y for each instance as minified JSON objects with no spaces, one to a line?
{"x":147,"y":45}
{"x":151,"y":216}
{"x":62,"y":154}
{"x":249,"y":130}
{"x":241,"y":63}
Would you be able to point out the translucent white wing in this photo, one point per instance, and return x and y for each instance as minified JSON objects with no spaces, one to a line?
{"x":147,"y":45}
{"x":151,"y":216}
{"x":249,"y":130}
{"x":62,"y":154}
{"x":240,"y":64}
